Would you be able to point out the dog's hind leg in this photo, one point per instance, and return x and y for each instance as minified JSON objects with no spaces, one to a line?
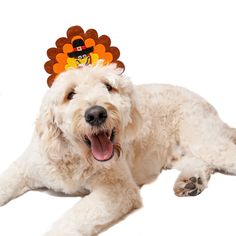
{"x":218,"y":155}
{"x":194,"y":176}
{"x":224,"y":160}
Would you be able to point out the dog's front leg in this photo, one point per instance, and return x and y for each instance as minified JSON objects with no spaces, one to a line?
{"x":111,"y":199}
{"x":16,"y":179}
{"x":12,"y":183}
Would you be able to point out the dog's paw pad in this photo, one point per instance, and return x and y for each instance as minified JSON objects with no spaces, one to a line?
{"x":194,"y":193}
{"x":189,"y":187}
{"x":193,"y":179}
{"x":199,"y":181}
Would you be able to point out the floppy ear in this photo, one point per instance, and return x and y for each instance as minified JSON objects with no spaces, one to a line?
{"x":50,"y":135}
{"x":135,"y":122}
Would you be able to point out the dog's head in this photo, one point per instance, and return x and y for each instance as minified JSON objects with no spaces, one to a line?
{"x":91,"y":111}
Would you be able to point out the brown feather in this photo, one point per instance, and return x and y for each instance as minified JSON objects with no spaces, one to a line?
{"x":105,"y":40}
{"x":52,"y":52}
{"x":62,"y":41}
{"x":73,"y":31}
{"x":50,"y":80}
{"x":115,"y":52}
{"x":91,"y":33}
{"x":48,"y":66}
{"x":120,"y":64}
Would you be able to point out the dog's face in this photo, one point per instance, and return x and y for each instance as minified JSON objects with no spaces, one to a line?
{"x":92,"y":109}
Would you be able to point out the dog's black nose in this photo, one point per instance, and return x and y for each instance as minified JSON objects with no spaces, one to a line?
{"x":96,"y":115}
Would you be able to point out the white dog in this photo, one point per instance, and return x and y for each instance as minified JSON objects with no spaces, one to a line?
{"x":99,"y":135}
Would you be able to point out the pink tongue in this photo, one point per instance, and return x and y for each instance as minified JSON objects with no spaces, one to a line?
{"x":102,"y":147}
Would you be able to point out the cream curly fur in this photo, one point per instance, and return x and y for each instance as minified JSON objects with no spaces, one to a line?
{"x":157,"y":127}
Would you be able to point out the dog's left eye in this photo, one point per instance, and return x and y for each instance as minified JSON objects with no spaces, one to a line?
{"x":109,"y":87}
{"x":71,"y":95}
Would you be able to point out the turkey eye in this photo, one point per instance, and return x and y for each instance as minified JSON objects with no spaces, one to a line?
{"x":71,"y":95}
{"x":109,"y":87}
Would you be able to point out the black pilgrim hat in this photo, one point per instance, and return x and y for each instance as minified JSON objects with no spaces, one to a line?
{"x":79,"y":49}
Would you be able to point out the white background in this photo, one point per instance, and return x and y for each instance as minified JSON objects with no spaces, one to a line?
{"x":187,"y":43}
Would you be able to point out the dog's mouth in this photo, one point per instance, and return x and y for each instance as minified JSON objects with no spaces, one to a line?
{"x":101,"y":144}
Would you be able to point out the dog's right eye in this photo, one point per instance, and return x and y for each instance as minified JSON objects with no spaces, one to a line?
{"x":71,"y":95}
{"x":109,"y":87}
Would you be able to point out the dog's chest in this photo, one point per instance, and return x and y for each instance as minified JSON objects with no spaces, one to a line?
{"x":68,"y":175}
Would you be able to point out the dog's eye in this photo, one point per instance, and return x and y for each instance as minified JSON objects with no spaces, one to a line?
{"x":109,"y":87}
{"x":71,"y":95}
